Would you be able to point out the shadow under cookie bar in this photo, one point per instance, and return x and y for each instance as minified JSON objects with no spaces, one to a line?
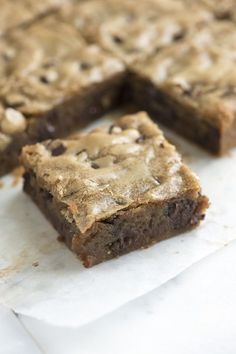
{"x":114,"y":190}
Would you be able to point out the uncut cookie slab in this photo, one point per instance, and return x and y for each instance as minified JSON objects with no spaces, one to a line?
{"x":51,"y":82}
{"x":191,"y":87}
{"x":18,"y":13}
{"x":114,"y":190}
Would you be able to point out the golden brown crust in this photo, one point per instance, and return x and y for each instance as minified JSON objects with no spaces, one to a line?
{"x":133,"y":32}
{"x":110,"y":169}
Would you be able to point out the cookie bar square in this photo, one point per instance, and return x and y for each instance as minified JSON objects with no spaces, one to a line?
{"x":51,"y":82}
{"x":113,"y":190}
{"x":191,"y":87}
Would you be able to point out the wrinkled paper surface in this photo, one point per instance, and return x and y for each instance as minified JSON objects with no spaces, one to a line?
{"x":41,"y":278}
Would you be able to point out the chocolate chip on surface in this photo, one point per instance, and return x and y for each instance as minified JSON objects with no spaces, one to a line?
{"x":59,"y":150}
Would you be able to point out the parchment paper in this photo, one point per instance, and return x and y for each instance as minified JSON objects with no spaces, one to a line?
{"x":40,"y":277}
{"x":191,"y":314}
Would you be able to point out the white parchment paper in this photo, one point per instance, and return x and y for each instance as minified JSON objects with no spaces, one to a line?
{"x":191,"y":314}
{"x":40,"y":277}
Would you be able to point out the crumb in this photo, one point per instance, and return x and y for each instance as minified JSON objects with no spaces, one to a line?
{"x":61,"y":238}
{"x":17,"y":173}
{"x":35,"y":264}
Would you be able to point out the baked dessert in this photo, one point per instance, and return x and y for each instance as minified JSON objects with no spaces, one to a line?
{"x":88,"y":16}
{"x":134,"y":38}
{"x":132,"y":32}
{"x":51,"y":82}
{"x":191,"y":87}
{"x":113,"y":190}
{"x":18,"y":13}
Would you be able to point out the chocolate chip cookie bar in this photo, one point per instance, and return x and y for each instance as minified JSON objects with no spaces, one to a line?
{"x":113,"y":190}
{"x":191,"y":87}
{"x":51,"y":82}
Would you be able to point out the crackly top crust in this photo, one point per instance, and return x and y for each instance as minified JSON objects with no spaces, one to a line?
{"x":132,"y":32}
{"x":14,"y":13}
{"x":201,"y":73}
{"x":41,"y":67}
{"x":88,"y":16}
{"x":133,"y":38}
{"x":110,"y":169}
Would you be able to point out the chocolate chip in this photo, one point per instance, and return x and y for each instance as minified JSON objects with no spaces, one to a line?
{"x":84,"y":65}
{"x":44,"y":79}
{"x":117,"y":39}
{"x":162,"y":146}
{"x":61,"y":238}
{"x":227,"y":15}
{"x":94,"y":165}
{"x":178,"y":36}
{"x":59,"y":150}
{"x":80,"y":152}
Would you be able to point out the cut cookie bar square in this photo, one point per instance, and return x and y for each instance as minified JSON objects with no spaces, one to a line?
{"x":191,"y":87}
{"x":51,"y":82}
{"x":113,"y":190}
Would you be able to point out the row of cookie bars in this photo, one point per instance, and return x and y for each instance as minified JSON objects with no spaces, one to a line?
{"x":174,"y":59}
